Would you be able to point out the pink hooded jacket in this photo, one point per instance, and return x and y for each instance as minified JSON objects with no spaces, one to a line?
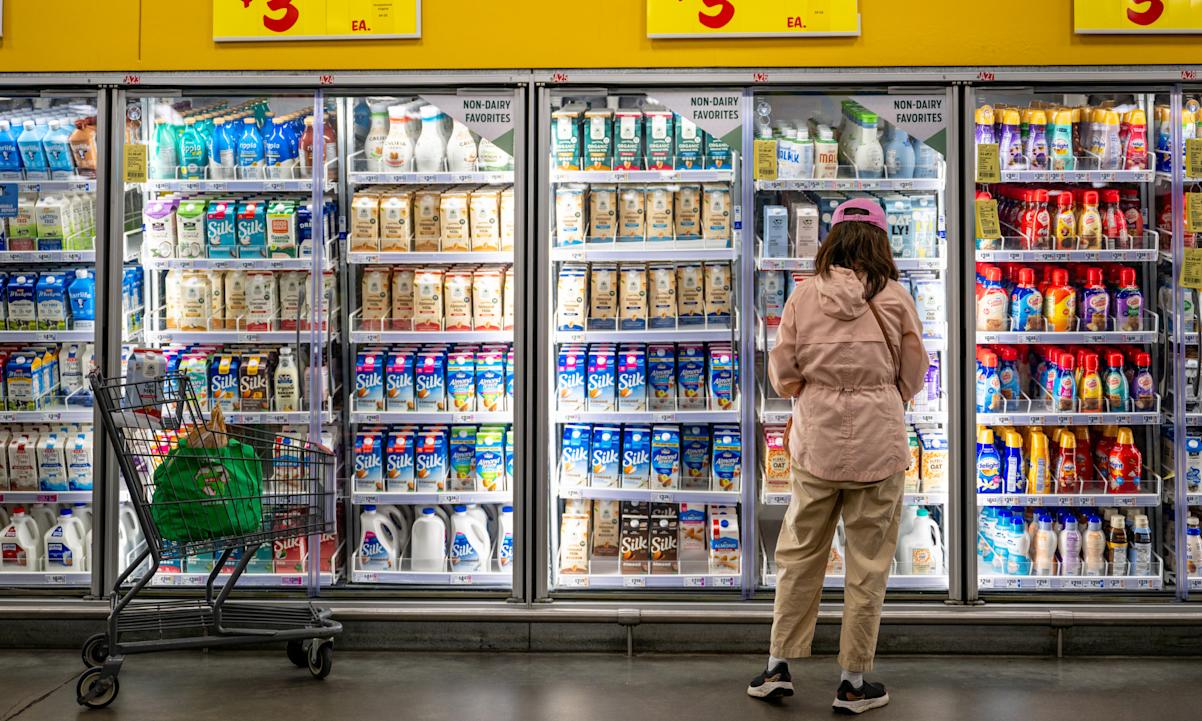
{"x":848,"y":417}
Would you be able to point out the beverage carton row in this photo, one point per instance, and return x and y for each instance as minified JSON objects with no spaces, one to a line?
{"x":437,"y":298}
{"x":55,"y":300}
{"x":680,"y":216}
{"x":433,"y":459}
{"x":433,"y":219}
{"x":661,"y":457}
{"x":245,"y":300}
{"x":248,"y":227}
{"x":647,"y":137}
{"x":59,"y":221}
{"x":424,"y":378}
{"x":52,"y":458}
{"x":638,"y":296}
{"x":37,"y":377}
{"x":657,"y":377}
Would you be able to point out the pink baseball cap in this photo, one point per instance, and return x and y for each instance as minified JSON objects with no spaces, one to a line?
{"x":872,"y":213}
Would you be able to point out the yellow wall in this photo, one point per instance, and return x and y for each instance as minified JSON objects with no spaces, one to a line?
{"x":146,"y":35}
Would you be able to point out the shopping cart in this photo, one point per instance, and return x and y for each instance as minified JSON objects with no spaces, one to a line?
{"x":201,"y":490}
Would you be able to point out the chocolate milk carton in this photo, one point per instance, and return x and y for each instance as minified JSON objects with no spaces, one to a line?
{"x":665,"y":538}
{"x":606,"y":530}
{"x":634,"y":543}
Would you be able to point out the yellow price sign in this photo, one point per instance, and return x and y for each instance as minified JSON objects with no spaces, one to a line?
{"x":989,"y":227}
{"x":765,"y":159}
{"x":1193,"y":212}
{"x":988,"y":166}
{"x":752,"y":18}
{"x":1193,"y":158}
{"x":1191,"y":269}
{"x":133,"y":163}
{"x":255,"y":20}
{"x":1121,"y":17}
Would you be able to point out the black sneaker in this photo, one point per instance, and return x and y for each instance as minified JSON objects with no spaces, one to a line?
{"x":772,"y":683}
{"x":849,"y":699}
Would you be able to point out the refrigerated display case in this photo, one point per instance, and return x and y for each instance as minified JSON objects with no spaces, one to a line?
{"x":235,"y":216}
{"x":50,"y":181}
{"x":815,"y":148}
{"x":639,"y":340}
{"x":1070,"y":371}
{"x":433,"y":197}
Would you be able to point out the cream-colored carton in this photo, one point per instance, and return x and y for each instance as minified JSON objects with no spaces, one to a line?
{"x":688,"y":216}
{"x":660,"y":223}
{"x":603,"y":296}
{"x":690,"y":294}
{"x":454,"y":218}
{"x":396,"y":221}
{"x":294,"y":290}
{"x":365,"y":223}
{"x":573,"y":544}
{"x":776,"y":464}
{"x":715,"y":215}
{"x":571,"y":297}
{"x":488,"y":299}
{"x":485,"y":216}
{"x":262,"y":301}
{"x":662,"y":306}
{"x":427,"y":225}
{"x":603,"y":213}
{"x":605,"y":530}
{"x":402,"y":298}
{"x":428,"y":300}
{"x":195,"y":305}
{"x":218,"y":316}
{"x":717,"y":293}
{"x":373,"y":294}
{"x":235,"y":298}
{"x":507,"y":227}
{"x":457,"y":299}
{"x":632,"y":215}
{"x":173,"y":297}
{"x":569,"y":214}
{"x":632,"y":297}
{"x":507,"y":303}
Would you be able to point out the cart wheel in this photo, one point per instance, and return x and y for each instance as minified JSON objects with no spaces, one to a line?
{"x":322,"y":660}
{"x":95,"y":650}
{"x":297,"y":654}
{"x":94,"y":692}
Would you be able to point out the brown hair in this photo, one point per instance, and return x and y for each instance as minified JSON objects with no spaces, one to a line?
{"x":862,"y":247}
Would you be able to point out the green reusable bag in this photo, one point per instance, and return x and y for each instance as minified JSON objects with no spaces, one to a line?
{"x":205,"y":493}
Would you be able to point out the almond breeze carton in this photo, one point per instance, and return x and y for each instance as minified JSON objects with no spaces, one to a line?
{"x":490,"y":459}
{"x":695,"y":458}
{"x":661,"y":377}
{"x":490,"y":380}
{"x":690,"y":377}
{"x":665,"y":457}
{"x":461,"y":380}
{"x":462,"y":459}
{"x":727,"y":464}
{"x":604,"y":463}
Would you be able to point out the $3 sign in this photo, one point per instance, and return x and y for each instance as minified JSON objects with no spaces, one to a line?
{"x":283,"y":23}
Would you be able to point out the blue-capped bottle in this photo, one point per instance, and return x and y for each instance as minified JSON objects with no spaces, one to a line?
{"x":10,"y":154}
{"x":989,"y":463}
{"x":223,"y":149}
{"x":250,"y":146}
{"x":279,"y":150}
{"x":193,"y":152}
{"x":33,"y":154}
{"x":56,"y":144}
{"x":989,"y":387}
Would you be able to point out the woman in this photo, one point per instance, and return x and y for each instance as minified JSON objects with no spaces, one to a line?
{"x":849,"y":352}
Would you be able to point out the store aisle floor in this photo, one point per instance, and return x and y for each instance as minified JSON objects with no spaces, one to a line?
{"x":365,"y":686}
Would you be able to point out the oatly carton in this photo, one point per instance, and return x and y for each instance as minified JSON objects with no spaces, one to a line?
{"x":636,"y":457}
{"x":635,"y":541}
{"x":665,"y":538}
{"x":220,"y":229}
{"x":251,"y":228}
{"x":604,"y":464}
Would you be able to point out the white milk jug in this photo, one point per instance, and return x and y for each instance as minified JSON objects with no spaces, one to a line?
{"x":505,"y":538}
{"x":428,"y":543}
{"x":920,"y":551}
{"x":378,"y":541}
{"x":65,"y":544}
{"x":20,"y":544}
{"x":461,"y":150}
{"x":470,"y":543}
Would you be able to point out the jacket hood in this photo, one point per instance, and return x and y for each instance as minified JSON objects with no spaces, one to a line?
{"x":841,"y":294}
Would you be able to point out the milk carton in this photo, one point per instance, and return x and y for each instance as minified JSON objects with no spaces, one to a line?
{"x":665,"y":538}
{"x":461,"y":380}
{"x":369,"y":381}
{"x":604,"y":464}
{"x":220,"y":229}
{"x":375,"y":303}
{"x":775,"y":231}
{"x":565,"y":136}
{"x":636,"y":457}
{"x":23,"y":463}
{"x":695,"y":458}
{"x":628,"y":139}
{"x":432,"y":461}
{"x":398,"y":382}
{"x":770,"y":296}
{"x":402,"y":287}
{"x":724,"y":540}
{"x":396,"y":221}
{"x":23,"y":227}
{"x":722,"y":383}
{"x":632,"y":379}
{"x":690,"y":377}
{"x":632,"y":214}
{"x":573,"y":543}
{"x":690,"y":145}
{"x":52,"y":463}
{"x":79,"y":461}
{"x":427,"y":229}
{"x":159,"y":220}
{"x":22,"y":378}
{"x":190,"y":238}
{"x":224,"y":373}
{"x":606,"y":531}
{"x":665,"y":457}
{"x":51,"y":293}
{"x":282,"y":238}
{"x":428,"y":297}
{"x":488,"y":296}
{"x":369,"y":462}
{"x":660,"y":138}
{"x":454,"y":218}
{"x":718,"y":288}
{"x":262,"y":305}
{"x":598,"y":139}
{"x":462,"y":459}
{"x":489,"y":464}
{"x":484,"y":214}
{"x":727,"y":462}
{"x":365,"y":223}
{"x":571,"y":297}
{"x":430,"y":381}
{"x":716,"y":213}
{"x":399,"y":460}
{"x":603,"y":296}
{"x":662,"y":305}
{"x":570,"y":372}
{"x":251,"y":228}
{"x":602,"y":213}
{"x":602,"y":376}
{"x":507,"y":219}
{"x":254,"y":382}
{"x":687,"y":213}
{"x":491,"y":381}
{"x":661,"y":377}
{"x":22,"y":302}
{"x":569,"y":214}
{"x":690,"y":294}
{"x":574,"y":455}
{"x":718,"y":154}
{"x":635,"y":541}
{"x":776,"y":466}
{"x":693,"y":553}
{"x":457,"y":304}
{"x":632,"y":297}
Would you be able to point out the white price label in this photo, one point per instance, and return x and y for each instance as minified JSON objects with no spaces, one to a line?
{"x":56,"y":579}
{"x":634,"y":582}
{"x":693,"y":582}
{"x":571,"y":581}
{"x":725,"y":581}
{"x":293,"y":580}
{"x":367,"y":577}
{"x":1043,"y":583}
{"x":572,"y":493}
{"x":453,"y":499}
{"x":369,"y":337}
{"x":663,"y":417}
{"x":369,"y":500}
{"x":463,"y":417}
{"x":461,"y":579}
{"x":47,"y":498}
{"x":369,"y":418}
{"x":662,"y":497}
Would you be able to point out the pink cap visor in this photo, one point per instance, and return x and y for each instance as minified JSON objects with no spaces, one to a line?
{"x":872,"y":213}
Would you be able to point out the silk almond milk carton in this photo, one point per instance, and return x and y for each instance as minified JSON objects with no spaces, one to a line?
{"x":454,"y":217}
{"x":396,"y":221}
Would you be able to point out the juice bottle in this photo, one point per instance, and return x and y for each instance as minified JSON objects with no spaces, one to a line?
{"x":1038,"y":478}
{"x":1143,"y":388}
{"x":1128,"y":302}
{"x":989,"y":464}
{"x":1089,"y":222}
{"x":1060,"y":303}
{"x":1095,"y":302}
{"x":1091,"y":386}
{"x":1066,"y":474}
{"x":1135,"y":146}
{"x":991,"y":307}
{"x":1012,"y":465}
{"x":1026,"y":303}
{"x":1114,"y":384}
{"x":1065,"y":398}
{"x":1066,"y":222}
{"x":1037,"y":141}
{"x":1126,"y":464}
{"x":1060,"y":141}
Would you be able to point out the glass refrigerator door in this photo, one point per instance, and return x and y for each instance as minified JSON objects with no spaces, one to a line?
{"x":1068,"y":375}
{"x":48,"y":331}
{"x":813,"y":150}
{"x":230,"y":227}
{"x":433,"y":206}
{"x":644,"y":455}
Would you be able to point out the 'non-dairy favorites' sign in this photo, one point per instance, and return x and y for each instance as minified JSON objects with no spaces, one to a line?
{"x":716,"y":112}
{"x":256,"y":20}
{"x":921,"y":116}
{"x":752,"y":18}
{"x":490,"y":116}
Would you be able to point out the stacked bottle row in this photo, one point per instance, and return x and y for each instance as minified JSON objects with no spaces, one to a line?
{"x":415,"y":136}
{"x":54,"y":142}
{"x":1065,"y":217}
{"x":1074,"y":460}
{"x":1044,"y":136}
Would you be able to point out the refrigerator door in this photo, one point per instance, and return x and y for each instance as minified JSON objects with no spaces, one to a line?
{"x":639,"y":343}
{"x":433,"y":198}
{"x":814,"y":149}
{"x":1073,"y":206}
{"x":51,"y":176}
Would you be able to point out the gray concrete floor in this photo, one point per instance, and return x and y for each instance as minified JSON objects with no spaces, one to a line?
{"x":371,"y":686}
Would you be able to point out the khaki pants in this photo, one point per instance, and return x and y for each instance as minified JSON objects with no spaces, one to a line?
{"x":871,"y":512}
